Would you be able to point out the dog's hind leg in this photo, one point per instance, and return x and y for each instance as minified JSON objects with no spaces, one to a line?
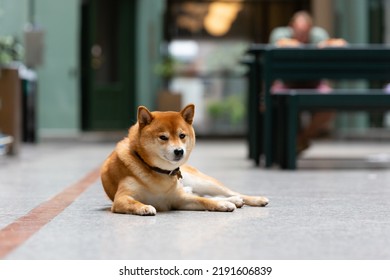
{"x":204,"y":185}
{"x":193,"y":202}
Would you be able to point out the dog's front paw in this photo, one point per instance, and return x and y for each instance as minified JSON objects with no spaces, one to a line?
{"x":146,"y":210}
{"x":225,"y":206}
{"x":238,"y":201}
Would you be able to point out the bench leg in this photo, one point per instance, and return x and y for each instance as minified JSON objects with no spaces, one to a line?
{"x":267,"y":137}
{"x":281,"y":136}
{"x":292,"y":124}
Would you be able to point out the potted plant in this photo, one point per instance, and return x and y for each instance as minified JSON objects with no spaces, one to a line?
{"x":10,"y":114}
{"x":166,"y":70}
{"x":10,"y":50}
{"x":166,"y":99}
{"x":227,"y":114}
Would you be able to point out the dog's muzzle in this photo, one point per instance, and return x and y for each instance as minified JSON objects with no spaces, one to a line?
{"x":178,"y":154}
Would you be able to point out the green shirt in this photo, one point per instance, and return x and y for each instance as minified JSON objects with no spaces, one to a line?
{"x":317,"y":34}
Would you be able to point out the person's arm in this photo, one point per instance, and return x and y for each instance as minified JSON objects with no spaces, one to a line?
{"x":281,"y":37}
{"x":317,"y":35}
{"x":333,"y":42}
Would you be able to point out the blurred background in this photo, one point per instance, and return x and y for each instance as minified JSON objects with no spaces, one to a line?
{"x":88,"y":64}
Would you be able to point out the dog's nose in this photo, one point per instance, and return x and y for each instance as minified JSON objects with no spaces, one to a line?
{"x":179,"y":153}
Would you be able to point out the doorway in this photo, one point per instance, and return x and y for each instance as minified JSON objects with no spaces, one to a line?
{"x":107,"y":64}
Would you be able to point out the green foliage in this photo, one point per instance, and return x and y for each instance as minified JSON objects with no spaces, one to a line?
{"x":231,"y":108}
{"x":166,"y":68}
{"x":10,"y":50}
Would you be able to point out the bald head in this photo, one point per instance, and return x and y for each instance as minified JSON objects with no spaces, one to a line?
{"x":301,"y":24}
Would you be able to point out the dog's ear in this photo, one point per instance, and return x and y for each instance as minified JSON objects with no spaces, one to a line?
{"x":188,"y":113}
{"x":144,"y":116}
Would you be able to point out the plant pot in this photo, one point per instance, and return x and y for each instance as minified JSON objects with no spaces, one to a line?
{"x":10,"y":107}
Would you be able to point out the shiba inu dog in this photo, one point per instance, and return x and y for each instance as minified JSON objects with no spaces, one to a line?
{"x":146,"y":172}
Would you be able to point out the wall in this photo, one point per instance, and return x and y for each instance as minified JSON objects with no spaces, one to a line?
{"x":58,"y":103}
{"x":323,"y":14}
{"x":352,"y":20}
{"x":386,"y":34}
{"x":149,"y":35}
{"x":13,"y":17}
{"x":352,"y":24}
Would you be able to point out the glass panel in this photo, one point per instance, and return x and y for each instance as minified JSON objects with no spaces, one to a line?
{"x":104,"y":52}
{"x":209,"y":74}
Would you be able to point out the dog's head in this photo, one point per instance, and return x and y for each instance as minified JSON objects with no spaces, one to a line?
{"x":166,"y":139}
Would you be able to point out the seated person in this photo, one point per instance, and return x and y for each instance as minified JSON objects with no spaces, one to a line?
{"x":299,"y":32}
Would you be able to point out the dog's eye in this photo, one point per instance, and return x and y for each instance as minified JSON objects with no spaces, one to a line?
{"x":163,"y":137}
{"x":182,"y":136}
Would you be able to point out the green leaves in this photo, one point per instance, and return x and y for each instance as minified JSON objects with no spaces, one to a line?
{"x":10,"y":50}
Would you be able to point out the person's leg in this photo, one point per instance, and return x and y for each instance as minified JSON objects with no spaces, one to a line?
{"x":319,"y":123}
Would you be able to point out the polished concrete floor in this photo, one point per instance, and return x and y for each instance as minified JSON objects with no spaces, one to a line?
{"x":335,"y":206}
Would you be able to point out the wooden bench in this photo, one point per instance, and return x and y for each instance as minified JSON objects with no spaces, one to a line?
{"x":312,"y":64}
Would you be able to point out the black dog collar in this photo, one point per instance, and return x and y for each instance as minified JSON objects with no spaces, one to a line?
{"x":176,"y":172}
